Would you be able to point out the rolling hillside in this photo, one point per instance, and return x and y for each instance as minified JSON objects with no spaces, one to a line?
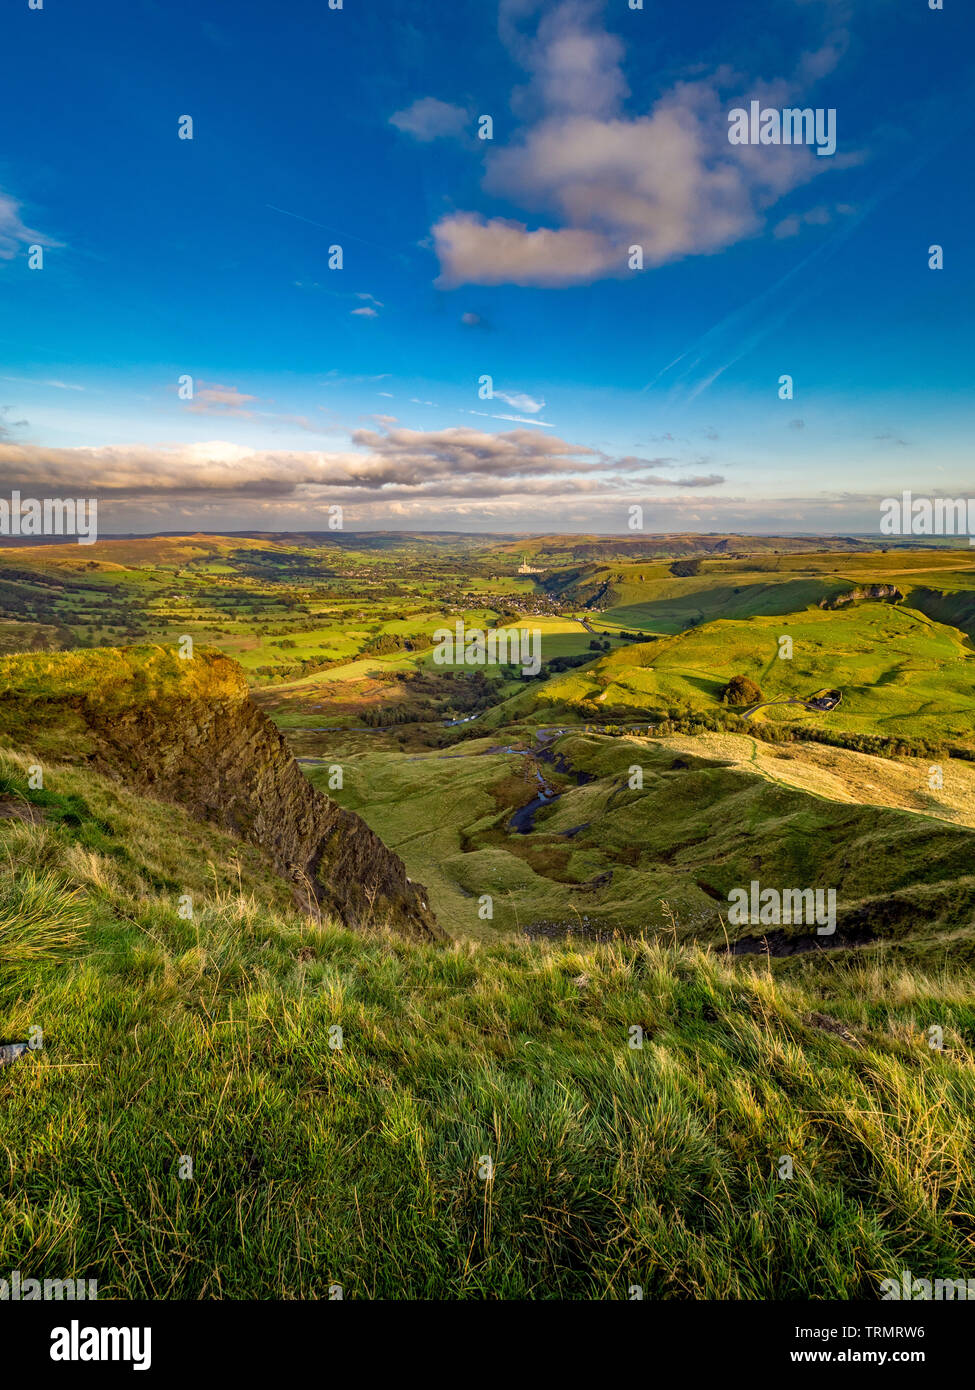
{"x":484,"y":1125}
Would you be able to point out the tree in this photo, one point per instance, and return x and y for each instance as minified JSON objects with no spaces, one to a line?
{"x":741,"y":690}
{"x":684,"y":569}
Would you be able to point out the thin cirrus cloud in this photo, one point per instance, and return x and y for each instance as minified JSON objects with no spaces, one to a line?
{"x":14,"y":235}
{"x":31,"y":381}
{"x":6,"y":424}
{"x":210,"y":398}
{"x":231,"y":403}
{"x":516,"y":419}
{"x":667,"y":181}
{"x":519,"y":401}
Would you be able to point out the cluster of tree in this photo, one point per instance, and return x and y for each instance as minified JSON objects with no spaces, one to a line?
{"x":880,"y":745}
{"x":388,"y":642}
{"x":291,"y":670}
{"x":741,"y":690}
{"x":564,"y":663}
{"x":432,"y":697}
{"x":385,"y":716}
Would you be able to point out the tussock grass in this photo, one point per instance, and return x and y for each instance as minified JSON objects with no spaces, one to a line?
{"x":39,"y":919}
{"x":313,"y":1165}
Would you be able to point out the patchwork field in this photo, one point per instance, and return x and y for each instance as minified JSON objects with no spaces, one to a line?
{"x":445,"y":762}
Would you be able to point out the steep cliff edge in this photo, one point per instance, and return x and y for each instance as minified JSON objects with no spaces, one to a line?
{"x":868,"y":593}
{"x":186,"y":731}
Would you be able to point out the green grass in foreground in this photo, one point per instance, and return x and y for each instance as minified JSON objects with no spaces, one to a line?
{"x":359,"y":1166}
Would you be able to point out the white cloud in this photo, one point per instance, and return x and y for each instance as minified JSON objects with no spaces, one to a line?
{"x":514,"y":419}
{"x":209,"y":398}
{"x":519,"y":401}
{"x":13,"y":233}
{"x":429,"y":119}
{"x":668,"y":181}
{"x":793,"y":224}
{"x":390,"y":463}
{"x":477,"y":250}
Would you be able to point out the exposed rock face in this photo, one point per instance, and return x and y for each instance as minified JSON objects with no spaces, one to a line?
{"x":877,"y":593}
{"x":187,"y":731}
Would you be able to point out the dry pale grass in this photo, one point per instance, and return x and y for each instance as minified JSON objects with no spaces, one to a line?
{"x":840,"y":774}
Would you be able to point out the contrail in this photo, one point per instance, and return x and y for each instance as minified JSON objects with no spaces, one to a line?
{"x":821,"y":252}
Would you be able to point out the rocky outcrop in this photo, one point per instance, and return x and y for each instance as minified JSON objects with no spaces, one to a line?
{"x":869,"y":593}
{"x":187,"y":732}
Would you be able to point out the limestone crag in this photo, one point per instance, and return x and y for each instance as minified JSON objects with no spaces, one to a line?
{"x":188,"y":732}
{"x":875,"y":593}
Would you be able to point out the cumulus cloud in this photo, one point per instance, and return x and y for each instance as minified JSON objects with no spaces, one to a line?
{"x":668,"y":181}
{"x":575,"y":66}
{"x":429,"y":119}
{"x":493,"y":251}
{"x":387,"y":464}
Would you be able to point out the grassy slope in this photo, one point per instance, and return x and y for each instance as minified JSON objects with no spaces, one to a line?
{"x":315,"y":1166}
{"x":840,"y":774}
{"x":606,"y":855}
{"x":651,"y":599}
{"x":901,"y":673}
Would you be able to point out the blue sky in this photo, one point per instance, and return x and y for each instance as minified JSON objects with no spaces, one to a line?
{"x":465,"y":258}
